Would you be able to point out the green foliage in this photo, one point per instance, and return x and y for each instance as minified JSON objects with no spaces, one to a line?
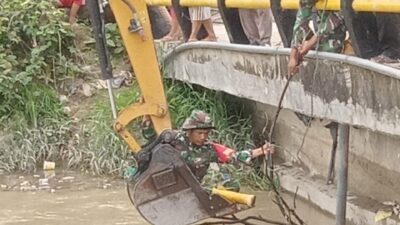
{"x":35,"y":45}
{"x":233,"y":128}
{"x":40,"y":104}
{"x":114,"y":41}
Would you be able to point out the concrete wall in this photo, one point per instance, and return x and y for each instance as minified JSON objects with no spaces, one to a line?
{"x":374,"y":158}
{"x":343,"y":89}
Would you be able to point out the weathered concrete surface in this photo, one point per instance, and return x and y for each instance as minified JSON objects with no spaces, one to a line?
{"x":360,"y":211}
{"x":373,"y":159}
{"x":345,"y":89}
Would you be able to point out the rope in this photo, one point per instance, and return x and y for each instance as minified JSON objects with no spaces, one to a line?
{"x":312,"y":88}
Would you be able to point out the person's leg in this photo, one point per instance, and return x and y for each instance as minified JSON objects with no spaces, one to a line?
{"x":264,"y":25}
{"x":208,"y":25}
{"x":176,"y":32}
{"x":205,"y":17}
{"x":196,"y":18}
{"x":248,"y":21}
{"x":195,"y":29}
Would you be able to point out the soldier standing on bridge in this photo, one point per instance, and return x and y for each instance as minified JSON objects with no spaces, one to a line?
{"x":329,"y":37}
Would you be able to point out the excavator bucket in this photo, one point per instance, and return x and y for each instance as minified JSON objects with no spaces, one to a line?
{"x":166,"y":192}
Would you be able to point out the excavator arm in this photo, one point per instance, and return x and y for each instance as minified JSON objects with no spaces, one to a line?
{"x":134,"y":25}
{"x":164,"y":191}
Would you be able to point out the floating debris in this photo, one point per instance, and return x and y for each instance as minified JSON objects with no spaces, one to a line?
{"x":44,"y":182}
{"x":68,"y":178}
{"x":48,"y":165}
{"x":49,"y":174}
{"x":25,"y":183}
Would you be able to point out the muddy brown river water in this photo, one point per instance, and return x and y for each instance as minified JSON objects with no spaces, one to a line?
{"x":70,"y":198}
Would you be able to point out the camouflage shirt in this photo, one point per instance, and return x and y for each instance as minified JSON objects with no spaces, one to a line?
{"x":199,"y":158}
{"x":331,"y":28}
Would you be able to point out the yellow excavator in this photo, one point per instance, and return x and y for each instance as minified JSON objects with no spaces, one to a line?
{"x":164,"y":191}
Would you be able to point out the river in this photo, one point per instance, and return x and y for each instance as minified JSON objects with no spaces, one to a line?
{"x":72,"y":198}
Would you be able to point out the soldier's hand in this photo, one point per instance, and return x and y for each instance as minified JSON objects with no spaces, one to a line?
{"x":293,"y":67}
{"x":268,"y":148}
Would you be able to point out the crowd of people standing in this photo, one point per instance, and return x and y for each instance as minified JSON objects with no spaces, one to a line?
{"x":328,"y":33}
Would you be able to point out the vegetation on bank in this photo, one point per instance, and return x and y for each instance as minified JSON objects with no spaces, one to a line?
{"x":37,"y":54}
{"x":36,"y":48}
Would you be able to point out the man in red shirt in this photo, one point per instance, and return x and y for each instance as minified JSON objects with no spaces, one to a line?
{"x":73,"y":8}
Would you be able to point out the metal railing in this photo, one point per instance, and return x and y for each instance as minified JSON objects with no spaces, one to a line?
{"x":387,"y":6}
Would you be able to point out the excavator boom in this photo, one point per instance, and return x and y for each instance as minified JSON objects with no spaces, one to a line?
{"x":142,"y":55}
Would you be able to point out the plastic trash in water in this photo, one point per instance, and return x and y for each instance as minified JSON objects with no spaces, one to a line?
{"x":47,"y":165}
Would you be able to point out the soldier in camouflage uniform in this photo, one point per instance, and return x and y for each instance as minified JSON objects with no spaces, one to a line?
{"x":200,"y":154}
{"x":331,"y":33}
{"x":329,"y":37}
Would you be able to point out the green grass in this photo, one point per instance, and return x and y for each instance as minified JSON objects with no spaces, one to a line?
{"x":38,"y":133}
{"x":232,"y":127}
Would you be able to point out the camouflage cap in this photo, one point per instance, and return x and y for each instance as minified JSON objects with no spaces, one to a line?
{"x":198,"y":120}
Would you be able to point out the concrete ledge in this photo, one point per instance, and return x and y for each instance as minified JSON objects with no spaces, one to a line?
{"x":360,"y":210}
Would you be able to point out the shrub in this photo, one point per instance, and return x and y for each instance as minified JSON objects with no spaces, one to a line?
{"x":35,"y":46}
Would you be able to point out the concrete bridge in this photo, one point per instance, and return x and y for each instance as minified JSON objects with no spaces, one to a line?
{"x":330,"y":87}
{"x":341,"y":88}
